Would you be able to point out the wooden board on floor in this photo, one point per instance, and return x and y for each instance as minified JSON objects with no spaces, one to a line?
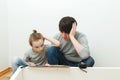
{"x":7,"y":70}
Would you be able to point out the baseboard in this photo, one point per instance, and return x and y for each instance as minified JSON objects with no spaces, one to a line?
{"x":9,"y":69}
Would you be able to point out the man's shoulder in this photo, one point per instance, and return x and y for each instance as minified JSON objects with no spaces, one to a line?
{"x":80,"y":34}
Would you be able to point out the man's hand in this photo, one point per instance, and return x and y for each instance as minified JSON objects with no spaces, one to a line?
{"x":73,"y":30}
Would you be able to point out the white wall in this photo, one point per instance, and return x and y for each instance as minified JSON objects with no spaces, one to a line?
{"x":98,"y":19}
{"x":4,"y":55}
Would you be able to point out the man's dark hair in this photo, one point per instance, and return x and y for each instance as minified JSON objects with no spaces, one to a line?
{"x":65,"y":24}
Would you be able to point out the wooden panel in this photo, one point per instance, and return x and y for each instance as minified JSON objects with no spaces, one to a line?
{"x":9,"y":69}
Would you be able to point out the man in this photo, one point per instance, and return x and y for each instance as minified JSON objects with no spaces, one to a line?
{"x":73,"y":47}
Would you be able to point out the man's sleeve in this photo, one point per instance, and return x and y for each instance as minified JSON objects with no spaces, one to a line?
{"x":84,"y":53}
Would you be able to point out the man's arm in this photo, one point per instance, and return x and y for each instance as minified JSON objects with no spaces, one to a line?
{"x":76,"y":44}
{"x":82,"y":49}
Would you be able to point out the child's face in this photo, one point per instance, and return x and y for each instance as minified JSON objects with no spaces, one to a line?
{"x":38,"y":45}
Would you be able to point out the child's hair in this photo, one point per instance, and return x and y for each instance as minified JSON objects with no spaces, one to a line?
{"x":35,"y":36}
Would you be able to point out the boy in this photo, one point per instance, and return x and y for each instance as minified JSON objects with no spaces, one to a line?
{"x":37,"y":55}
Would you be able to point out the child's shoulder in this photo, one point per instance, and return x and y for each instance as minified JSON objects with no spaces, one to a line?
{"x":46,"y":45}
{"x":29,"y":52}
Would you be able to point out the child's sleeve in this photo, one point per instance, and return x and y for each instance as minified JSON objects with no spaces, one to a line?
{"x":27,"y":57}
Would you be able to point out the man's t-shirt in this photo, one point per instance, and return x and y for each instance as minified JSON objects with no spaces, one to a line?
{"x":69,"y":51}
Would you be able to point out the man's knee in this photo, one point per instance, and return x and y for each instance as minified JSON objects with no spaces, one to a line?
{"x":91,"y":62}
{"x":53,"y":55}
{"x":52,"y":50}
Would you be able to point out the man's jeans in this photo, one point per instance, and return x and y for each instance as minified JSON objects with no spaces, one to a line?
{"x":16,"y":62}
{"x":56,"y":57}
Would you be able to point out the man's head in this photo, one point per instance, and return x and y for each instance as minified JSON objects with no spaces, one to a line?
{"x":36,"y":40}
{"x":65,"y":26}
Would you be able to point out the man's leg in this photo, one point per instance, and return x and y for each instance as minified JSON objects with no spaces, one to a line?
{"x":16,"y":62}
{"x":56,"y":57}
{"x":89,"y":61}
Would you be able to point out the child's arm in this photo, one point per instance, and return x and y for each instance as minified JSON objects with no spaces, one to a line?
{"x":28,"y":60}
{"x":53,"y":41}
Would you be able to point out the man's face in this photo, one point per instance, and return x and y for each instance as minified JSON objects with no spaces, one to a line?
{"x":38,"y":45}
{"x":65,"y":36}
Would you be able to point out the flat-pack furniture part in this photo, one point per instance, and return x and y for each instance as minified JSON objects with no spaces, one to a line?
{"x":66,"y":73}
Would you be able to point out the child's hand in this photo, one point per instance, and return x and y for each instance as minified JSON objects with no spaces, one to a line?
{"x":31,"y":64}
{"x":47,"y":64}
{"x":45,"y":37}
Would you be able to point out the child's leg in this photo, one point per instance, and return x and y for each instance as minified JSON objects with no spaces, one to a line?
{"x":16,"y":62}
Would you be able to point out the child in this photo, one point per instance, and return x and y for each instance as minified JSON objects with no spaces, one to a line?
{"x":37,"y":55}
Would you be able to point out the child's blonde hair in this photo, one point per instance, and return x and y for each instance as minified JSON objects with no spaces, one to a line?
{"x":35,"y":36}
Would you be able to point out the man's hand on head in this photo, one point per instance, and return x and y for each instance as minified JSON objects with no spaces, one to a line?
{"x":73,"y":30}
